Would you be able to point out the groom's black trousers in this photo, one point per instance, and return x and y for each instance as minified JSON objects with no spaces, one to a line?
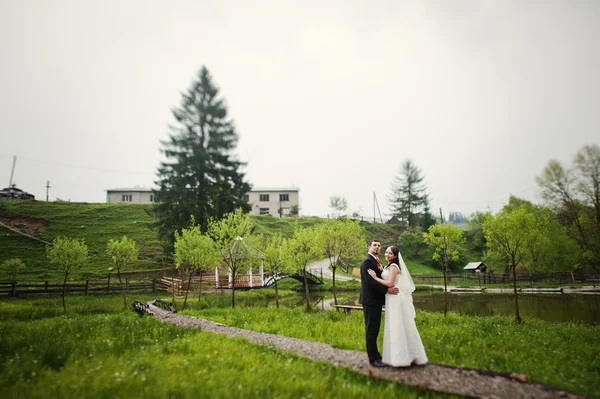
{"x":372,"y":315}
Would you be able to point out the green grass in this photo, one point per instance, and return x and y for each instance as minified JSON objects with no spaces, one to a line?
{"x":97,"y":350}
{"x":563,"y":355}
{"x":416,"y":267}
{"x":95,"y":223}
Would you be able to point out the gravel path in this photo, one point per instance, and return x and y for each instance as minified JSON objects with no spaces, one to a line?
{"x":436,"y":377}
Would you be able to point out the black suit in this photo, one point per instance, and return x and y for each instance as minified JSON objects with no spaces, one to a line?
{"x":372,"y":297}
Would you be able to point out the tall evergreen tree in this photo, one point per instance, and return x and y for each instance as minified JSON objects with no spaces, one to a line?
{"x":409,"y":200}
{"x":201,"y":177}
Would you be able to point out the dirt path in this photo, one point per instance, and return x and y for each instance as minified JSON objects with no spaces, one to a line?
{"x":6,"y":226}
{"x":321,"y":268}
{"x":436,"y":377}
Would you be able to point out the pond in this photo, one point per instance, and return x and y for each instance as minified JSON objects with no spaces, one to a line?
{"x":552,"y":307}
{"x":584,"y":308}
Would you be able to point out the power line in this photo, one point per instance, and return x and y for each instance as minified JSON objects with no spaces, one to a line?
{"x":43,"y":161}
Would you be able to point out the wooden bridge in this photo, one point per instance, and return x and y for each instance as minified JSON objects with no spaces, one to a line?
{"x":311,"y":279}
{"x":219,"y":280}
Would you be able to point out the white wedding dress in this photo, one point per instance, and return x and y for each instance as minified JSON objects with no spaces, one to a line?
{"x":402,"y":345}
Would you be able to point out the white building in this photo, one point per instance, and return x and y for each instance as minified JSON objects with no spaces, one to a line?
{"x":275,"y":202}
{"x":130,"y":196}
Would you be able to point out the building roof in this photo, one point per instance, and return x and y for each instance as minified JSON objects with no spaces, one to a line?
{"x":473,"y":265}
{"x":13,"y":192}
{"x":135,"y":189}
{"x":262,"y":190}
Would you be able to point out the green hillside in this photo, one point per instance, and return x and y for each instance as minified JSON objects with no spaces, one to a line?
{"x":95,"y":223}
{"x":98,"y":223}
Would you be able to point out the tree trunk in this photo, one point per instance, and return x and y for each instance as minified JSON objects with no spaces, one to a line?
{"x":515,"y":297}
{"x":121,"y":286}
{"x":445,"y":267}
{"x":232,"y":289}
{"x":63,"y":291}
{"x":334,"y":292}
{"x":187,"y":291}
{"x":276,"y":295}
{"x":173,"y":288}
{"x":306,"y":293}
{"x":200,"y":287}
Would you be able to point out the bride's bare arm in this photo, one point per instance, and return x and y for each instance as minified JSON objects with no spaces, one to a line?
{"x":391,"y":277}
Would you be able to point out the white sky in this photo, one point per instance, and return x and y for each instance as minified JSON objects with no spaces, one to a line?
{"x":329,"y":97}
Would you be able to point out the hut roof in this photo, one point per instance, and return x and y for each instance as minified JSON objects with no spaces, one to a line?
{"x":473,"y":265}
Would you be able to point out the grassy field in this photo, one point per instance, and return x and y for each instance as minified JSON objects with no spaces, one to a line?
{"x":95,"y":223}
{"x":564,"y":355}
{"x":97,"y":350}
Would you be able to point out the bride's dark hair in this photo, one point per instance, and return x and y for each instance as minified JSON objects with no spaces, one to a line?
{"x":395,"y":252}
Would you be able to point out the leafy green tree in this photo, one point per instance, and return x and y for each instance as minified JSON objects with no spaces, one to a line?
{"x":122,"y":253}
{"x":552,"y":251}
{"x":412,"y":239}
{"x":475,"y":238}
{"x":11,"y":268}
{"x":493,"y":261}
{"x":229,"y":234}
{"x":67,"y":255}
{"x":276,"y":259}
{"x":195,"y":253}
{"x":574,"y":195}
{"x":512,"y":233}
{"x":445,"y":240}
{"x":338,"y":205}
{"x":304,"y":249}
{"x":409,"y":201}
{"x":294,"y":210}
{"x":343,"y":243}
{"x":200,"y":177}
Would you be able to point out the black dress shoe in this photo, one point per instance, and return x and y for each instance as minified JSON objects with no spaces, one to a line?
{"x":378,"y":363}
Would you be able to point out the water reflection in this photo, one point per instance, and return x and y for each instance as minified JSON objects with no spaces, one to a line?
{"x":550,"y":307}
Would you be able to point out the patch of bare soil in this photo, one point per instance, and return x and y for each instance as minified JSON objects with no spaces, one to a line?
{"x":25,"y":224}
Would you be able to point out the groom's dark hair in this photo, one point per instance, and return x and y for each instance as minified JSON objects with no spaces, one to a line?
{"x":372,"y":241}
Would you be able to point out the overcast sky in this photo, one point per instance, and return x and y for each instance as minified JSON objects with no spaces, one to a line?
{"x":327,"y":96}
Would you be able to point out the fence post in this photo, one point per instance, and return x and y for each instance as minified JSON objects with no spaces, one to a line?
{"x":87,"y":286}
{"x":46,"y":286}
{"x":127,"y":285}
{"x":108,"y":285}
{"x":14,"y":289}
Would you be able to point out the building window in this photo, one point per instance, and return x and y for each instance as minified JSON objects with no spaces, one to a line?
{"x":151,"y":197}
{"x":246,"y":197}
{"x":264,"y":197}
{"x":126,"y":198}
{"x":284,"y":197}
{"x":264,"y":211}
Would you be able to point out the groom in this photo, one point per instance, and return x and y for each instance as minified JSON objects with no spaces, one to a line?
{"x":372,"y":297}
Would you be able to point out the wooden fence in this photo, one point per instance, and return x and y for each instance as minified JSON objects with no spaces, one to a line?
{"x":208,"y":282}
{"x":89,"y":287}
{"x":532,"y":279}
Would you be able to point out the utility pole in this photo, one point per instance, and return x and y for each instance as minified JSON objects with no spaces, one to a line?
{"x":47,"y":187}
{"x":376,"y":204}
{"x":441,"y":217}
{"x":374,"y":201}
{"x":12,"y":171}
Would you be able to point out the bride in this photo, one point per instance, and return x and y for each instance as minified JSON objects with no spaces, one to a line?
{"x":402,"y":344}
